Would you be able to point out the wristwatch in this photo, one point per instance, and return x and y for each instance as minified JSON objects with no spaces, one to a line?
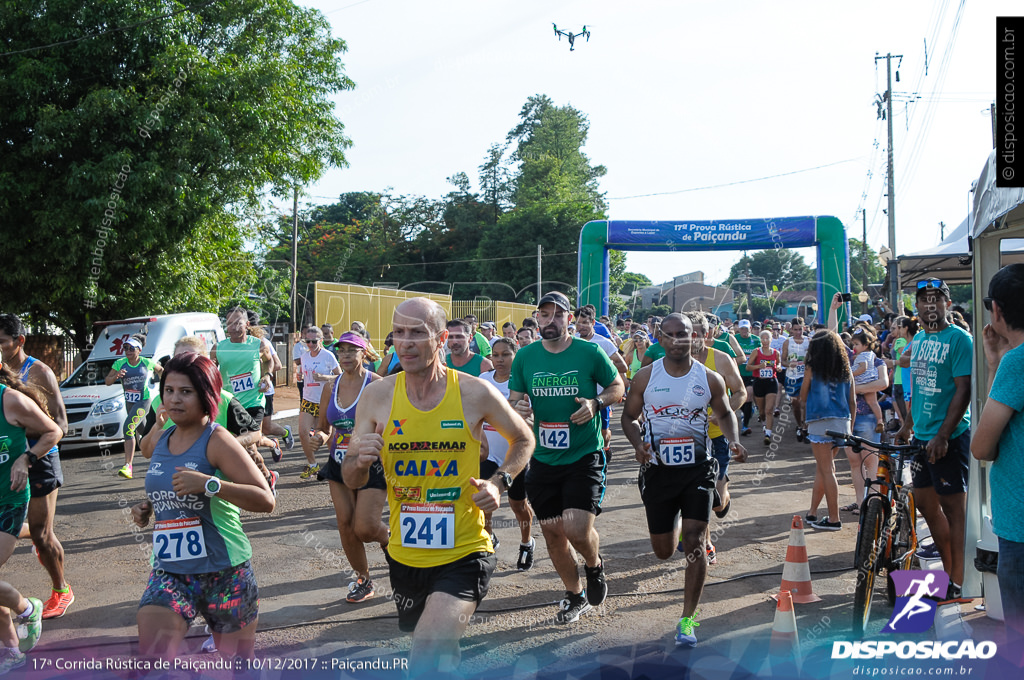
{"x":506,"y":479}
{"x":598,"y":404}
{"x":32,"y":458}
{"x":212,"y":487}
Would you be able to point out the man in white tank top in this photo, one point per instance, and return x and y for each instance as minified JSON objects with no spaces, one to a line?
{"x":677,"y":472}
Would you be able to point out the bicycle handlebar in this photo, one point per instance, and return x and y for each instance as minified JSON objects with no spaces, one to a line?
{"x":860,"y":441}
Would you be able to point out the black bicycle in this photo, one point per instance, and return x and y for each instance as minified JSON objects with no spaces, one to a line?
{"x":887,"y":532}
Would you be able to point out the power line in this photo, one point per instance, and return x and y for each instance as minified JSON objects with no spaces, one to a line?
{"x":109,"y":30}
{"x":481,"y":259}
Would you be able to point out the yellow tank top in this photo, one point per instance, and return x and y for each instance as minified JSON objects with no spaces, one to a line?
{"x":713,"y":430}
{"x":428,"y":459}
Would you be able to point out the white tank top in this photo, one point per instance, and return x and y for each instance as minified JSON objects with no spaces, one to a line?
{"x":677,"y":415}
{"x":497,"y":446}
{"x":797,"y":352}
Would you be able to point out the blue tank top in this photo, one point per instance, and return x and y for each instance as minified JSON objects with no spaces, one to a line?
{"x":23,"y":377}
{"x":194,"y":534}
{"x":343,"y":420}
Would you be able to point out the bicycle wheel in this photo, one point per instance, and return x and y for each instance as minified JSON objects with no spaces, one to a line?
{"x":869,"y":552}
{"x":904,"y":540}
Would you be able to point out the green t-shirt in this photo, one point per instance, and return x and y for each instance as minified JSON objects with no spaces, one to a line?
{"x":553,"y":381}
{"x":471,"y":367}
{"x":12,"y":445}
{"x":897,"y":349}
{"x":136,"y":380}
{"x":935,"y":360}
{"x":724,"y":345}
{"x":655,"y":351}
{"x":748,"y":345}
{"x":239,"y":364}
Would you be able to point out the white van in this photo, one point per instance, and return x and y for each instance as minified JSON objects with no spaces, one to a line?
{"x":96,"y":411}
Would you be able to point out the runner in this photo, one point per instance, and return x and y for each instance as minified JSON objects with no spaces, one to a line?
{"x":748,"y":342}
{"x":503,"y":351}
{"x":459,"y":357}
{"x":45,"y":475}
{"x":633,"y":352}
{"x":794,"y":352}
{"x":585,"y":320}
{"x":478,"y":344}
{"x":524,"y":336}
{"x":22,"y":408}
{"x":134,"y":372}
{"x":508,"y":330}
{"x":677,"y":469}
{"x":243,"y":360}
{"x":269,"y":427}
{"x":198,"y":480}
{"x":487,"y":329}
{"x":556,"y":381}
{"x":762,"y":364}
{"x":328,"y":339}
{"x":358,"y":511}
{"x":318,"y":365}
{"x":720,"y":361}
{"x":298,"y":350}
{"x":441,"y":560}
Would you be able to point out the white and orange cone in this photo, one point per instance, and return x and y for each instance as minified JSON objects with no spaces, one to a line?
{"x":785,"y":640}
{"x":796,"y":574}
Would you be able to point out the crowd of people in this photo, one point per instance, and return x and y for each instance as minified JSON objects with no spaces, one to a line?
{"x":451,"y":415}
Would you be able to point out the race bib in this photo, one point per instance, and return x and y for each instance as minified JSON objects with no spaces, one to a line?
{"x":427,"y":525}
{"x":767,"y":373}
{"x":242,"y":383}
{"x":341,"y":446}
{"x":554,"y":435}
{"x":133,"y":396}
{"x":179,"y":539}
{"x":676,"y":450}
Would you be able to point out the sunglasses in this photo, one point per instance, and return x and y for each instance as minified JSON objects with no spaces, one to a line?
{"x":937,"y":284}
{"x":311,"y":342}
{"x":988,"y":303}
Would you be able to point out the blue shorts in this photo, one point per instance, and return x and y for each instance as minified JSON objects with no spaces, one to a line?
{"x":865,"y":427}
{"x":793,"y":386}
{"x":948,"y":475}
{"x":720,"y":452}
{"x":816,"y":430}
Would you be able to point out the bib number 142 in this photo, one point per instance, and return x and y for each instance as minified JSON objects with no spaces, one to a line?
{"x":554,"y":435}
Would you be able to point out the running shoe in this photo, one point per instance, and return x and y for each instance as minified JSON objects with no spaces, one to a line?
{"x":767,"y":439}
{"x":825,"y":525}
{"x":929,"y":552}
{"x":276,"y":452}
{"x":11,"y":659}
{"x":525,"y":560}
{"x":684,"y":631}
{"x":746,"y":431}
{"x":126,"y":471}
{"x":954,"y":595}
{"x":712,"y":555}
{"x":209,"y":645}
{"x":572,"y":607}
{"x":58,"y":603}
{"x":495,"y":542}
{"x":309,"y":471}
{"x":360,"y":590}
{"x":289,"y":440}
{"x":800,"y":435}
{"x":273,"y":481}
{"x":597,"y":587}
{"x":30,"y":627}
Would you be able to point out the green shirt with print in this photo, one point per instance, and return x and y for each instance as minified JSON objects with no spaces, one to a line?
{"x":748,"y":345}
{"x":935,"y":360}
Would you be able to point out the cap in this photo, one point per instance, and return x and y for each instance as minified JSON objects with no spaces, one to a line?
{"x":134,"y":343}
{"x":352,"y":339}
{"x":933,"y":284}
{"x":865,"y":317}
{"x":744,"y":323}
{"x":488,"y":324}
{"x":556,"y":298}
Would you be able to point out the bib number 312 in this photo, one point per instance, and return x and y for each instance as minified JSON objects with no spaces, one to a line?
{"x":676,"y":451}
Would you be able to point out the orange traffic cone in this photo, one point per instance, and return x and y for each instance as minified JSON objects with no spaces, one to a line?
{"x":796,"y":574}
{"x":785,"y":639}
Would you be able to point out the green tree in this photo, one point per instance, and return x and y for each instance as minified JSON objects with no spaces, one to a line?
{"x":781,"y":269}
{"x":875,"y":271}
{"x":143,"y":147}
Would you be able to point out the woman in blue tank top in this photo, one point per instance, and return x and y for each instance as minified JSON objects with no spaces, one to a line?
{"x":358,"y":510}
{"x":198,"y":479}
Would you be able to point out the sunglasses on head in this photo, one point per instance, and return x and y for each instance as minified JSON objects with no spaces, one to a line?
{"x":937,"y":284}
{"x":988,"y":302}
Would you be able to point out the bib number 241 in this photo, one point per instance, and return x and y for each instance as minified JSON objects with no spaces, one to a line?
{"x":428,"y":526}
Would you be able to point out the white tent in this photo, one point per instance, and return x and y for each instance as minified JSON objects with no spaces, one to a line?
{"x":951,"y":259}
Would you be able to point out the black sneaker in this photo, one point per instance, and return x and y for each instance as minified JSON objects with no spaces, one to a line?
{"x":495,"y":542}
{"x":597,"y":587}
{"x":572,"y":607}
{"x":525,"y":560}
{"x":825,"y":525}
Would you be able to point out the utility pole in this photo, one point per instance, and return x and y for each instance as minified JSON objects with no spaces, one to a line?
{"x":750,"y":309}
{"x":540,"y":251}
{"x":894,"y":274}
{"x":864,"y":261}
{"x":295,"y":257}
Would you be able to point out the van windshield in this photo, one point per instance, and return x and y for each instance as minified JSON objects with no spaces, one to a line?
{"x":90,"y":373}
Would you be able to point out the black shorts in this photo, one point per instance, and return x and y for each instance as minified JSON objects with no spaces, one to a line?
{"x":517,"y":492}
{"x":670,"y":491}
{"x":136,"y":418}
{"x":12,"y":518}
{"x":269,"y":410}
{"x":466,"y":578}
{"x":748,"y":380}
{"x":765,"y":386}
{"x":488,"y":468}
{"x":331,"y":471}
{"x":948,"y":474}
{"x":257,"y":414}
{"x":46,"y":475}
{"x":552,"y":489}
{"x":781,"y":375}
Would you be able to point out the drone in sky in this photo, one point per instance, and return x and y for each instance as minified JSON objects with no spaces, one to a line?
{"x":570,"y":36}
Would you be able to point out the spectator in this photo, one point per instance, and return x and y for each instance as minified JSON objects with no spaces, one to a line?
{"x":1000,"y":437}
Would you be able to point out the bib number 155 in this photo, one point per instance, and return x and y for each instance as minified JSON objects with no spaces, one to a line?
{"x":676,"y":451}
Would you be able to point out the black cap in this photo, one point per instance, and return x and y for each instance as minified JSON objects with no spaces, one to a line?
{"x":933,"y":283}
{"x":556,"y":298}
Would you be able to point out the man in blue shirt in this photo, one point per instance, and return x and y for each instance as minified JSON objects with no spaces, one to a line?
{"x":940,"y":369}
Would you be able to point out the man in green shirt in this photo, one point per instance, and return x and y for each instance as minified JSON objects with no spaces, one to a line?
{"x":243,"y":361}
{"x":555,"y":383}
{"x":479,"y":344}
{"x":748,"y":342}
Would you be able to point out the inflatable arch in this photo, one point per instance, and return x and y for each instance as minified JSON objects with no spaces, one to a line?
{"x":826,"y":233}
